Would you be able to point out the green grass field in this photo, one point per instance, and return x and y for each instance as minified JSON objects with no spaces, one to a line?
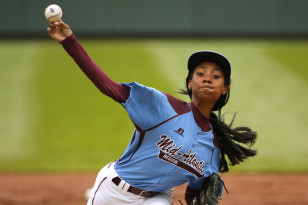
{"x":54,"y":119}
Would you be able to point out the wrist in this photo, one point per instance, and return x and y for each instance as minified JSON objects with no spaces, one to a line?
{"x":67,"y":39}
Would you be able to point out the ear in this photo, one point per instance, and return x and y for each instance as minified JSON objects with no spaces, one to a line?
{"x":189,"y":85}
{"x":225,"y":90}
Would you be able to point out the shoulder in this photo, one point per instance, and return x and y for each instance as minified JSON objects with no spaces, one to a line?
{"x":178,"y":105}
{"x":153,"y":95}
{"x":148,"y":107}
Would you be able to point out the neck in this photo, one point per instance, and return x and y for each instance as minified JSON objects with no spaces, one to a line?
{"x":204,"y":108}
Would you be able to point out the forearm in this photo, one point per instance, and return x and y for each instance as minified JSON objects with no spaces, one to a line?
{"x":100,"y":79}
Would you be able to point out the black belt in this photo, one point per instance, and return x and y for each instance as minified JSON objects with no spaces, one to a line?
{"x":135,"y":190}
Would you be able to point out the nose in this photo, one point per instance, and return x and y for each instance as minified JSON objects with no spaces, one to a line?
{"x":207,"y":79}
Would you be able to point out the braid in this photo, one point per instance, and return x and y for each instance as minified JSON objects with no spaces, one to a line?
{"x":230,"y":138}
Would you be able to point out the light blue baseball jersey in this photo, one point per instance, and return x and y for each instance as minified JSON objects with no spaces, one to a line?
{"x":168,"y":147}
{"x":172,"y":143}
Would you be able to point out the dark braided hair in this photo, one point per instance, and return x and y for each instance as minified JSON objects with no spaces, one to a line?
{"x":229,"y":138}
{"x":229,"y":141}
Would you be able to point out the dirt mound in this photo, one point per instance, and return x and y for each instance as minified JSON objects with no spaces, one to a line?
{"x":69,"y":189}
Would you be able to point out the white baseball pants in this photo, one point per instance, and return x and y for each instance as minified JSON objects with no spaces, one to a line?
{"x":105,"y":192}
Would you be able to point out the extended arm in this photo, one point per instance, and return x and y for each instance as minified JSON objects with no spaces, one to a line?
{"x":61,"y":32}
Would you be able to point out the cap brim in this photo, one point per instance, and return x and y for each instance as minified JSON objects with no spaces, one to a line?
{"x":202,"y":56}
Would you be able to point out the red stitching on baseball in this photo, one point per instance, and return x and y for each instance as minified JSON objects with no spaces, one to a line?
{"x":58,"y":14}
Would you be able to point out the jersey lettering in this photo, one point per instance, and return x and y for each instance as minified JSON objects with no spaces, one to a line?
{"x":187,"y":161}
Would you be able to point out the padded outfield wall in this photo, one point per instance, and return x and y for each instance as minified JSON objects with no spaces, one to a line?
{"x":24,"y":18}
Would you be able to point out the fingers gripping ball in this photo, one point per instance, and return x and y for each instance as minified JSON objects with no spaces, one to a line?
{"x":53,"y":13}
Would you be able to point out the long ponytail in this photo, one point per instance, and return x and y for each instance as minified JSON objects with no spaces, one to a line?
{"x":230,"y":141}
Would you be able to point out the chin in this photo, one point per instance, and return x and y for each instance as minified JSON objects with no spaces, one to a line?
{"x":208,"y":97}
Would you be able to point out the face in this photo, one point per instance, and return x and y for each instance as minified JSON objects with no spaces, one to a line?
{"x":207,"y":83}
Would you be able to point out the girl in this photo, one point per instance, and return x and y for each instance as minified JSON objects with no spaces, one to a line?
{"x":174,"y":142}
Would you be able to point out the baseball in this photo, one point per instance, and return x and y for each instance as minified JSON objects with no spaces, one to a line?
{"x":53,"y":13}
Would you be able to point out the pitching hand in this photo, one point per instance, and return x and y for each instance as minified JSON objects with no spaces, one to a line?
{"x":59,"y":30}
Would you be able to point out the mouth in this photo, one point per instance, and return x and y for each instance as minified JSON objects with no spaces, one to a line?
{"x":207,"y":88}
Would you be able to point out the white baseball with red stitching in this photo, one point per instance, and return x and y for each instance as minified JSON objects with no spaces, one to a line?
{"x":53,"y":13}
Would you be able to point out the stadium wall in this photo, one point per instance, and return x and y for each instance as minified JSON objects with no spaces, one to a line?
{"x":24,"y":18}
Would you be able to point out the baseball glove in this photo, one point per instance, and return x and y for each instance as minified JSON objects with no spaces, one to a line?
{"x":210,"y":192}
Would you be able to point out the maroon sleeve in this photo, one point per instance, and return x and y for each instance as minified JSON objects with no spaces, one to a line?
{"x":115,"y":90}
{"x":190,"y":194}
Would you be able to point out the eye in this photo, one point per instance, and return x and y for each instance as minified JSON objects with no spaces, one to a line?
{"x":199,"y":74}
{"x":216,"y":76}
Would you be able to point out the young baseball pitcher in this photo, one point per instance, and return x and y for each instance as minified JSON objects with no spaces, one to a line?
{"x":174,"y":142}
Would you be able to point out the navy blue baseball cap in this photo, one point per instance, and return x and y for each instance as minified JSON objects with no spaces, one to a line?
{"x":201,"y":56}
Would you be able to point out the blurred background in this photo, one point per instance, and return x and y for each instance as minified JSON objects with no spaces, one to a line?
{"x":54,"y":119}
{"x":203,"y":18}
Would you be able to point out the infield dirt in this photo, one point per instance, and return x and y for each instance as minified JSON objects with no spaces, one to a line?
{"x":69,"y":189}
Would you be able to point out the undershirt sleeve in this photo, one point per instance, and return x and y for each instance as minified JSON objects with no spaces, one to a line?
{"x":117,"y":91}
